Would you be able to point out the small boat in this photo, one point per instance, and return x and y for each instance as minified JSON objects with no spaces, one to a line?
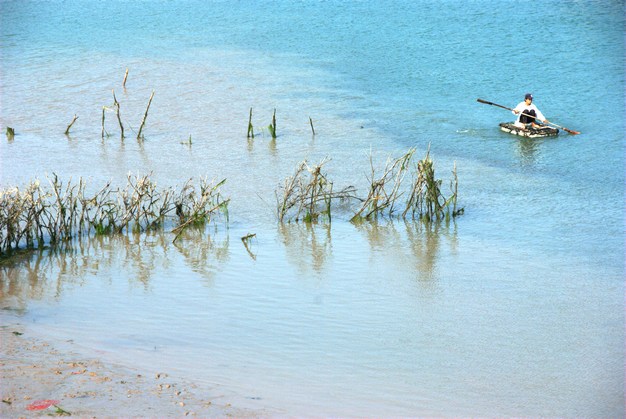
{"x":530,"y":132}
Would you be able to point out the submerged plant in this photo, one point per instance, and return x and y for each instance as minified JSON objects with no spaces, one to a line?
{"x":116,"y":107}
{"x":188,"y":142}
{"x":195,"y":207}
{"x":36,"y":215}
{"x":250,"y":127}
{"x":67,"y":130}
{"x":380,"y":198}
{"x":272,"y":127}
{"x":426,"y":201}
{"x":308,"y":200}
{"x":145,"y":115}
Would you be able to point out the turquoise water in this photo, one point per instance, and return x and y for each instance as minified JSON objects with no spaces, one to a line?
{"x":514,"y":310}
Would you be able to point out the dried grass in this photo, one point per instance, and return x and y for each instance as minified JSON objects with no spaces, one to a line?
{"x":36,"y":216}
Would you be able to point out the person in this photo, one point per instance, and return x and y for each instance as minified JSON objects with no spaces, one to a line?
{"x":527,"y":113}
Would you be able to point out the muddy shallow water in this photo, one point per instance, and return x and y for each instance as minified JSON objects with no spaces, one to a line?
{"x":33,"y":370}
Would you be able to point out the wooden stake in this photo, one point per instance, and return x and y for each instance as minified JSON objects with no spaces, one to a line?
{"x":103,"y":110}
{"x":311,"y":122}
{"x":143,"y":121}
{"x":274,"y":123}
{"x":272,"y":127}
{"x":250,"y":127}
{"x":125,"y":77}
{"x":117,"y":112}
{"x":67,"y":131}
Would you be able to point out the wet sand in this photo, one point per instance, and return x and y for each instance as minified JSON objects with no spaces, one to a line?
{"x":32,"y":369}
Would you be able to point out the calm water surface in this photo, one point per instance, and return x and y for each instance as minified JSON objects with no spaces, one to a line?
{"x":516,"y":309}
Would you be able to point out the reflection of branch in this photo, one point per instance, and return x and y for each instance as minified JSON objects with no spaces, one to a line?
{"x":424,"y":244}
{"x":301,"y":241}
{"x":40,"y":274}
{"x":201,"y":250}
{"x":245,"y":239}
{"x":31,"y":275}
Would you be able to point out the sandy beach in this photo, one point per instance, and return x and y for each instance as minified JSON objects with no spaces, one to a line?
{"x":33,"y":370}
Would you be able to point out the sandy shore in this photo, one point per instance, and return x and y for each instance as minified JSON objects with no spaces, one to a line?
{"x":32,"y":370}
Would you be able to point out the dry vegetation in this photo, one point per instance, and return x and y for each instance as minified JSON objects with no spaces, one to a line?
{"x":37,"y":215}
{"x":309,"y":198}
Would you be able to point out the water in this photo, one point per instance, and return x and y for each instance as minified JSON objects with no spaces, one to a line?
{"x":515,"y":309}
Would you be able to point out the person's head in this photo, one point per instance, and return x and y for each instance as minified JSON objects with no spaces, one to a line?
{"x":528,"y":98}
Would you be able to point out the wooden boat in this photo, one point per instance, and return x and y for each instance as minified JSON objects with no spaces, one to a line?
{"x":540,"y":132}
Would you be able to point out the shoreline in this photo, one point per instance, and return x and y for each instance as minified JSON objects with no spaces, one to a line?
{"x":33,"y":369}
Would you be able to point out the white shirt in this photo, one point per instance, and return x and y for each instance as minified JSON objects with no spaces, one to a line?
{"x":522,"y":106}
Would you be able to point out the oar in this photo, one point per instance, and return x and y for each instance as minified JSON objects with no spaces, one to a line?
{"x":510,"y":109}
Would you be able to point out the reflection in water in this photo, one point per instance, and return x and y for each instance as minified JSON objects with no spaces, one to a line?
{"x":306,"y":244}
{"x":203,"y":253}
{"x":247,"y":245}
{"x":422,"y":239}
{"x":272,"y":147}
{"x":24,"y":281}
{"x":381,"y":235}
{"x":409,"y":245}
{"x":528,"y":150}
{"x":44,"y":273}
{"x":425,"y":241}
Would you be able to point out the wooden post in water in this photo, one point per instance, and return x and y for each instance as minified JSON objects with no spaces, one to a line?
{"x":272,"y":127}
{"x":250,"y":127}
{"x":274,"y":123}
{"x":125,"y":77}
{"x":117,"y":112}
{"x":67,"y":131}
{"x":143,"y":121}
{"x":311,"y":122}
{"x":103,"y":111}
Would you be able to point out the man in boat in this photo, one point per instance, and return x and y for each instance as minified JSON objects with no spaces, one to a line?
{"x":527,"y":113}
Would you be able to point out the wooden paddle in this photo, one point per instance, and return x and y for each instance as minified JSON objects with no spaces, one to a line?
{"x":510,"y":109}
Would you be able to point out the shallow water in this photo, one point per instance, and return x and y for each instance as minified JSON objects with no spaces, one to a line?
{"x":514,"y":309}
